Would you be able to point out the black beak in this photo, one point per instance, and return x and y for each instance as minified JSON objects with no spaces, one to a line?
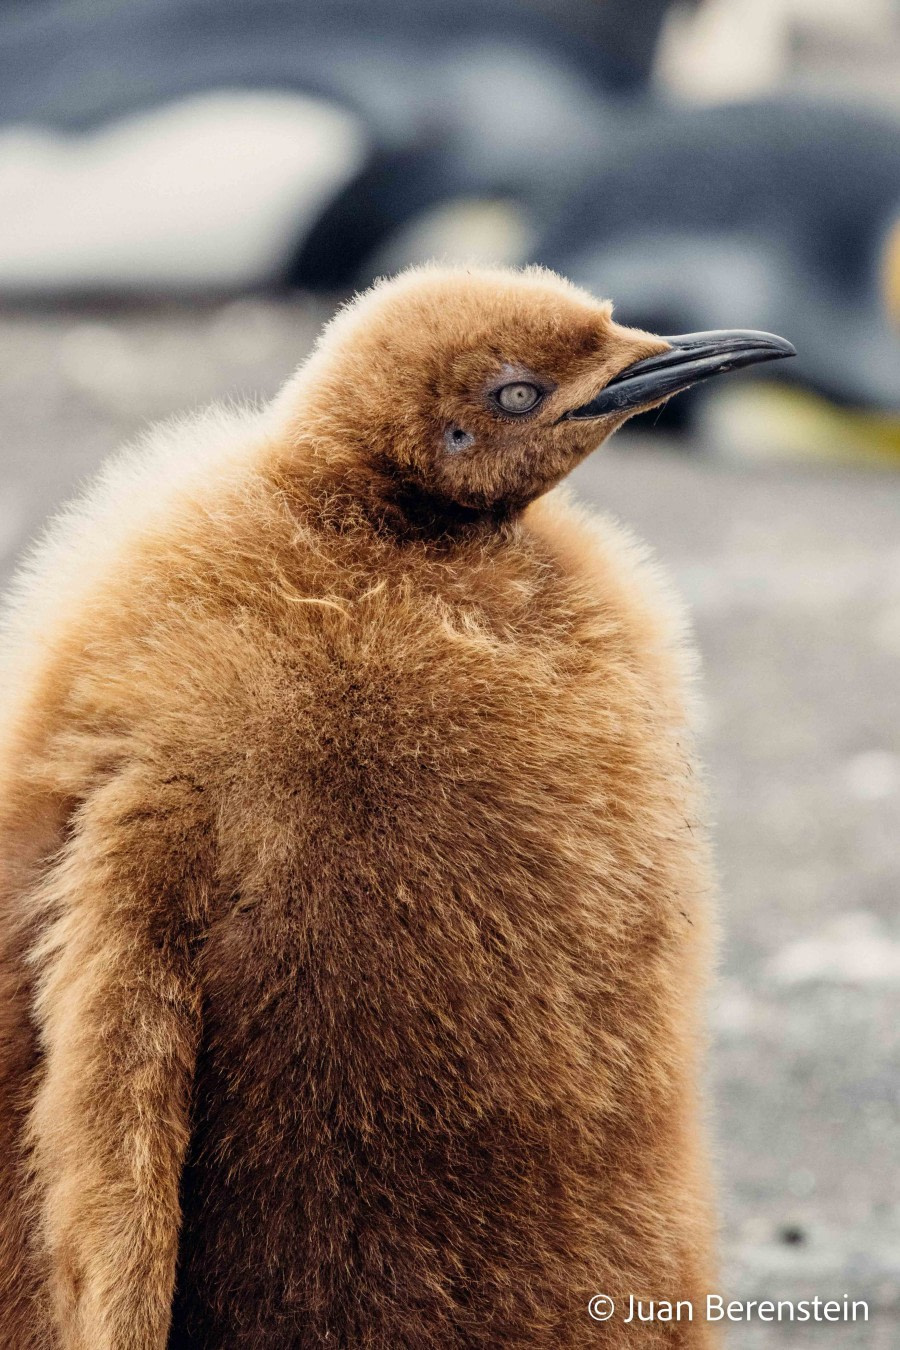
{"x":691,"y":357}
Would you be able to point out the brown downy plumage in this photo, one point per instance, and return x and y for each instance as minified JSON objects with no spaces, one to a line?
{"x":354,"y":904}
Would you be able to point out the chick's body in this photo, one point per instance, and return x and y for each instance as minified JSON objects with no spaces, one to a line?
{"x":365,"y":909}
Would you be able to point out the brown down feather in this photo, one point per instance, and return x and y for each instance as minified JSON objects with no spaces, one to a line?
{"x":354,"y":903}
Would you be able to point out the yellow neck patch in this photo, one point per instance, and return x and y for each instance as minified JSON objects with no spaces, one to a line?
{"x":890,"y":272}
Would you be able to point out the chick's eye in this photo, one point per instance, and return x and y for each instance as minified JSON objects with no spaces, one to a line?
{"x":519,"y":397}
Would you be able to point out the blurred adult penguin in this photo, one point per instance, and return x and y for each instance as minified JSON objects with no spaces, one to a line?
{"x":287,"y":144}
{"x":354,"y":913}
{"x":782,"y":210}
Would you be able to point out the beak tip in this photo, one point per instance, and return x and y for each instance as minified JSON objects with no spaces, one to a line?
{"x":780,"y":346}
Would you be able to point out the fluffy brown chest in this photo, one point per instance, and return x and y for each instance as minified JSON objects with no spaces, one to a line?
{"x":437,"y":850}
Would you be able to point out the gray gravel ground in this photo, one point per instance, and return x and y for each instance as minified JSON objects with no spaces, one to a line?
{"x":793,"y":577}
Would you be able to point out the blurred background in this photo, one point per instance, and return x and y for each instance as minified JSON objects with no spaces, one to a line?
{"x":188,"y":187}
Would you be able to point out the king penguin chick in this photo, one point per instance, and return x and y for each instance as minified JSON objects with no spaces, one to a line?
{"x":354,"y":902}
